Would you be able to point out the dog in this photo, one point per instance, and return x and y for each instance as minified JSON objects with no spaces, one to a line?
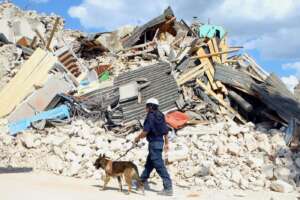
{"x":118,"y":169}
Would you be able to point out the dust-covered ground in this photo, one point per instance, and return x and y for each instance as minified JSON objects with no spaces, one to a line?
{"x":36,"y":186}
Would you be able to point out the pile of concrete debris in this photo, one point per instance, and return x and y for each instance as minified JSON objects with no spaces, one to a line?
{"x":67,"y":97}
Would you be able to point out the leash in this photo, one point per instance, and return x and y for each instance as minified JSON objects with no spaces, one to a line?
{"x":134,"y":145}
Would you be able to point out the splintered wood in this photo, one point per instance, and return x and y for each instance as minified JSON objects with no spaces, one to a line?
{"x":213,"y":51}
{"x":210,"y":72}
{"x":220,"y":100}
{"x":193,"y":73}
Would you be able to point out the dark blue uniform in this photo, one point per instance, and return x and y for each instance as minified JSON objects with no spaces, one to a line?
{"x":155,"y":127}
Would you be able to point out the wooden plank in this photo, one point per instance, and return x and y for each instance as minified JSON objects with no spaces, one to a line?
{"x":52,"y":33}
{"x":213,"y":48}
{"x":215,"y":43}
{"x":224,"y":47}
{"x":223,"y":88}
{"x":221,"y":101}
{"x":219,"y":84}
{"x":217,"y":49}
{"x":32,"y":45}
{"x":211,"y":72}
{"x":202,"y":55}
{"x":191,"y":76}
{"x":255,"y":67}
{"x":33,"y":72}
{"x":192,"y":71}
{"x":182,"y":54}
{"x":219,"y":53}
{"x":41,"y":37}
{"x":211,"y":79}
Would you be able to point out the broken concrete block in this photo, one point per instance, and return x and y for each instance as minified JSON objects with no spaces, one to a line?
{"x":73,"y":169}
{"x":221,"y":150}
{"x":255,"y":162}
{"x":28,"y":140}
{"x":236,"y":176}
{"x":250,"y":142}
{"x":244,"y":184}
{"x":277,"y":140}
{"x":234,"y":149}
{"x":55,"y":164}
{"x":282,"y":173}
{"x":55,"y":140}
{"x":178,"y":152}
{"x":281,"y":186}
{"x":268,"y":171}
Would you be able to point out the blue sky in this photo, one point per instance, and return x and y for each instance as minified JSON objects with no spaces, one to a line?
{"x":268,"y":29}
{"x":55,"y":6}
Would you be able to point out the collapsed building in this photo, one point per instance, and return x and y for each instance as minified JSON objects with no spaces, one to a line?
{"x":69,"y":96}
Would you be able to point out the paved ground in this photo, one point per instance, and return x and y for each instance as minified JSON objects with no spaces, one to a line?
{"x":37,"y":186}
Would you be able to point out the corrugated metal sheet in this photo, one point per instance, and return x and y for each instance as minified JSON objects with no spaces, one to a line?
{"x":138,"y":32}
{"x":101,"y":98}
{"x":163,"y":87}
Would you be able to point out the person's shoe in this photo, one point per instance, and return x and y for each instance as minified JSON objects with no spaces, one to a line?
{"x":166,"y":193}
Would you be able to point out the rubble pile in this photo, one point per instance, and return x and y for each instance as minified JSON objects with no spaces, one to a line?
{"x":68,"y":96}
{"x":223,"y":155}
{"x":10,"y":62}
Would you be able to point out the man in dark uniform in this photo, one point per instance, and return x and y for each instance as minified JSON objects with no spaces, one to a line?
{"x":156,"y":130}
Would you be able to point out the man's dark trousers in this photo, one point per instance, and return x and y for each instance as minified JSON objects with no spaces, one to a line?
{"x":155,"y":161}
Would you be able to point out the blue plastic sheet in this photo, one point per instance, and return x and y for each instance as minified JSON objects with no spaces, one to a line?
{"x":210,"y":31}
{"x":60,"y":112}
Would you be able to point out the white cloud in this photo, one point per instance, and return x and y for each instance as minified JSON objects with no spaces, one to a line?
{"x":290,"y":81}
{"x":270,"y":26}
{"x":294,"y":66}
{"x":39,"y":1}
{"x":281,"y":44}
{"x":115,"y":13}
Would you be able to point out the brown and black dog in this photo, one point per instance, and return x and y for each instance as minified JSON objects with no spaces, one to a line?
{"x":118,"y":169}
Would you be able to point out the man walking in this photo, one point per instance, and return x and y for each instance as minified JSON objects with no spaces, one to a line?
{"x":156,"y":130}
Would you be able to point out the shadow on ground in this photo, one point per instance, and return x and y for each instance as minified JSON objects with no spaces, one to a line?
{"x":134,"y":191}
{"x":11,"y":170}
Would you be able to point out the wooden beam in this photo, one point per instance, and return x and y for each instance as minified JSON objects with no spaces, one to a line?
{"x":171,"y":20}
{"x":213,"y":48}
{"x":40,"y":36}
{"x":229,"y":61}
{"x":52,"y":33}
{"x":211,"y":79}
{"x":190,"y":72}
{"x":221,"y":101}
{"x":190,"y":76}
{"x":32,"y":44}
{"x":145,"y":45}
{"x":211,"y":70}
{"x":155,"y":35}
{"x":219,"y":53}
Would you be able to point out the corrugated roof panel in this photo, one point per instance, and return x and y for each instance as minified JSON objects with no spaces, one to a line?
{"x":163,"y":87}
